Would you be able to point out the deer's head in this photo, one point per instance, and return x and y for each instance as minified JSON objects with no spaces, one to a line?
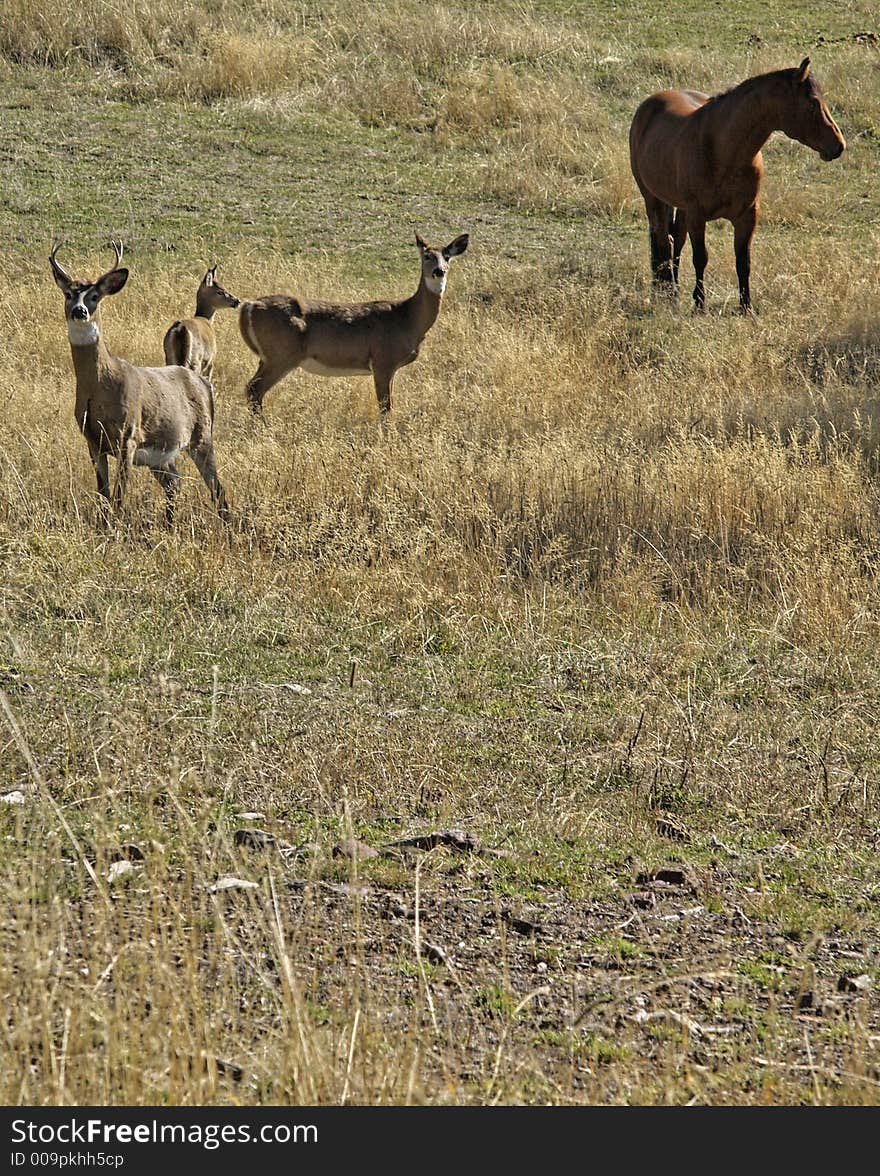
{"x":81,"y":298}
{"x":211,"y":296}
{"x":435,"y":261}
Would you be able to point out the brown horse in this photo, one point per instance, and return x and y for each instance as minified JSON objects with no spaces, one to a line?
{"x":697,"y":159}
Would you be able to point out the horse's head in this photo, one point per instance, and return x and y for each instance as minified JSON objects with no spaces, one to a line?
{"x":807,"y":118}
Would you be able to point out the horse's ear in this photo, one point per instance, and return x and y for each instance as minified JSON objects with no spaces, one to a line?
{"x":803,"y":70}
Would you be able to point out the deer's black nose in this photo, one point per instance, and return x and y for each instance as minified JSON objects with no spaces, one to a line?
{"x":438,"y":273}
{"x":79,"y":312}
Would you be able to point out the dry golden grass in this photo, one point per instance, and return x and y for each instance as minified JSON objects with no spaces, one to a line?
{"x":607,"y":563}
{"x":717,"y":443}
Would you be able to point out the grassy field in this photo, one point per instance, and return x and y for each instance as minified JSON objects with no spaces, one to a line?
{"x":603,"y":597}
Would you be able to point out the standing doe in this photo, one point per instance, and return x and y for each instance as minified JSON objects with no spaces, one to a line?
{"x":139,"y":415}
{"x":345,"y":339}
{"x":191,"y":342}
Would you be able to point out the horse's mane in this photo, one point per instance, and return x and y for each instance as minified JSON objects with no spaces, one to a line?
{"x":744,"y":87}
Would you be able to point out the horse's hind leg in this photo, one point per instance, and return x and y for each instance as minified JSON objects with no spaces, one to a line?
{"x":697,"y":230}
{"x":652,"y":238}
{"x":659,"y":216}
{"x":679,"y":234}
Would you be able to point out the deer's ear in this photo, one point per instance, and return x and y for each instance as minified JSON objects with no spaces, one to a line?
{"x":421,"y":242}
{"x":111,"y":282}
{"x":803,"y":70}
{"x":457,"y":246}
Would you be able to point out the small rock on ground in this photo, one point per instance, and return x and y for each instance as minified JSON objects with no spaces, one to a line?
{"x":229,"y":883}
{"x":253,"y":838}
{"x":854,"y":983}
{"x":354,"y":850}
{"x":119,"y":870}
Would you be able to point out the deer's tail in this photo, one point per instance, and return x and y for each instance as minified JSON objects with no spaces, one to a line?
{"x":245,"y":311}
{"x":178,"y":347}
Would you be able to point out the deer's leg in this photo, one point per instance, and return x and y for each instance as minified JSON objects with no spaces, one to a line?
{"x":125,"y":464}
{"x":102,"y":474}
{"x":659,"y":215}
{"x":203,"y":456}
{"x":265,"y":377}
{"x":168,"y":478}
{"x":697,"y":229}
{"x":99,"y":461}
{"x":743,"y":232}
{"x":679,"y":233}
{"x":384,"y":382}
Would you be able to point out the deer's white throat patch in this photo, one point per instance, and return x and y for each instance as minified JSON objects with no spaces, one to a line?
{"x":436,"y":285}
{"x":82,"y":334}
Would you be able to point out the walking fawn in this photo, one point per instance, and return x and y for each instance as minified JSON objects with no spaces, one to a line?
{"x":191,"y":342}
{"x":140,"y":416}
{"x":345,"y":339}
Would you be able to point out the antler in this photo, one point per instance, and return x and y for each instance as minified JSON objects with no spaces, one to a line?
{"x":117,"y":249}
{"x":59,"y":269}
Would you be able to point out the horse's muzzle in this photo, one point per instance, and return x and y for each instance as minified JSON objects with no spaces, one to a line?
{"x":832,"y":152}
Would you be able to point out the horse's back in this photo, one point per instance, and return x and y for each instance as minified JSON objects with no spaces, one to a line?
{"x":697,"y":97}
{"x":667,"y":106}
{"x":657,"y":128}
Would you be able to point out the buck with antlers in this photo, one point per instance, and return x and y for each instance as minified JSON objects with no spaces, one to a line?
{"x":345,"y":339}
{"x":140,"y":416}
{"x":191,"y":342}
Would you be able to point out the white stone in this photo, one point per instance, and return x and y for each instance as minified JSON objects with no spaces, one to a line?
{"x":229,"y":883}
{"x":119,"y":870}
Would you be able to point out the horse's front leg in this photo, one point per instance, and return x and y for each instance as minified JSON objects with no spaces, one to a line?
{"x":696,"y":227}
{"x":743,"y":231}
